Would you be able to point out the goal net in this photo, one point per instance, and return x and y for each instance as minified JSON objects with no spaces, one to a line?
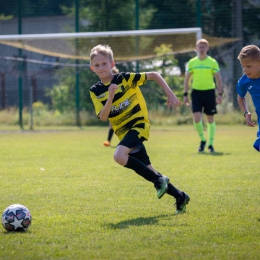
{"x":53,"y":66}
{"x":127,"y":45}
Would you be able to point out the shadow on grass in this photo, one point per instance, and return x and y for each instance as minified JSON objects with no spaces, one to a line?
{"x":141,"y":221}
{"x":15,"y":232}
{"x":213,"y":154}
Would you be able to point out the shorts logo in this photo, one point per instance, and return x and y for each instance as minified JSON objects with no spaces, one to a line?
{"x":250,"y":87}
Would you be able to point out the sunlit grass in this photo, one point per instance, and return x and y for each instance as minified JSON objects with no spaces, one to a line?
{"x":85,"y":206}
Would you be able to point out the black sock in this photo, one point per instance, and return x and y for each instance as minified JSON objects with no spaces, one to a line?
{"x":110,"y":134}
{"x":141,"y":169}
{"x":173,"y":191}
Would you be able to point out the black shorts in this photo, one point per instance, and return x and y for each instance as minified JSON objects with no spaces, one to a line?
{"x":131,"y":140}
{"x":204,"y":101}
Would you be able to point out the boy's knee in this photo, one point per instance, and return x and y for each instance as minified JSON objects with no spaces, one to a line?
{"x":120,"y":159}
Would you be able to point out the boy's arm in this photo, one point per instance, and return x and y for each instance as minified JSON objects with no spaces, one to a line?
{"x":103,"y":115}
{"x":219,"y":86}
{"x":186,"y":88}
{"x":243,"y":105}
{"x":172,"y":100}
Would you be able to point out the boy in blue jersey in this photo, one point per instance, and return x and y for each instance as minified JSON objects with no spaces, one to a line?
{"x":118,"y":98}
{"x":249,"y":58}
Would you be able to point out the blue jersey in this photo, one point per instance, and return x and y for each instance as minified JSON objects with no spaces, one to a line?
{"x":252,"y":86}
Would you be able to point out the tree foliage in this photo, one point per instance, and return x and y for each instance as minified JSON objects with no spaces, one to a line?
{"x":217,"y":16}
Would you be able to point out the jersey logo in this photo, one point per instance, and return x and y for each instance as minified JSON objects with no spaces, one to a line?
{"x":250,"y":87}
{"x":120,"y":107}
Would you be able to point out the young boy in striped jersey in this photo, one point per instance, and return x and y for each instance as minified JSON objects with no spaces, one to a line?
{"x":118,"y":98}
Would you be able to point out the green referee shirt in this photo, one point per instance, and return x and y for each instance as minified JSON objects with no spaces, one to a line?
{"x":203,"y":72}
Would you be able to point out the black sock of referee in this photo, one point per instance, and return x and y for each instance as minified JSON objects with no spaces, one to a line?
{"x":141,"y":169}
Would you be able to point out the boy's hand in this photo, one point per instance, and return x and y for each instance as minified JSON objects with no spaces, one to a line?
{"x":112,"y":90}
{"x":173,"y":101}
{"x":249,"y":121}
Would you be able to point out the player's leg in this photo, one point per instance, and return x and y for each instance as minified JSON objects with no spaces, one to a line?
{"x":182,"y":199}
{"x":132,"y":143}
{"x":211,"y":127}
{"x":197,"y":106}
{"x":161,"y":184}
{"x":109,"y":137}
{"x":256,"y":144}
{"x":210,"y":110}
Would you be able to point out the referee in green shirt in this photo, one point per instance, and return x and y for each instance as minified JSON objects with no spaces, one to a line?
{"x":200,"y":74}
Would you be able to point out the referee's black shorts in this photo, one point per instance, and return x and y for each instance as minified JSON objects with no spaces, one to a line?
{"x":204,"y":101}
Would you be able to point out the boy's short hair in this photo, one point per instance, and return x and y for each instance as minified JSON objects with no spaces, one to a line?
{"x":104,"y":50}
{"x":202,"y":41}
{"x":250,"y":51}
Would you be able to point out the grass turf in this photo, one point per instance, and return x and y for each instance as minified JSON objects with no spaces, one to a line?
{"x":85,"y":206}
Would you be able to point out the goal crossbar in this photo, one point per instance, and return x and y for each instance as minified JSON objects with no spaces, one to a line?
{"x":196,"y":30}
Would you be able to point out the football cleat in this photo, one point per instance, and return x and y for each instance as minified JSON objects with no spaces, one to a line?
{"x":181,"y":203}
{"x":211,"y":149}
{"x":202,"y":146}
{"x":106,"y":143}
{"x":161,"y":185}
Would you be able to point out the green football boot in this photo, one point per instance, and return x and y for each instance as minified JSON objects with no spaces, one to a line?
{"x":161,"y":185}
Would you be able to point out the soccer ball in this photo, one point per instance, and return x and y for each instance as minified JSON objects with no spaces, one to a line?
{"x":16,"y":217}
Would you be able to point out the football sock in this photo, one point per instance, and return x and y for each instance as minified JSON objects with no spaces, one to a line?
{"x":211,"y":132}
{"x":173,"y":191}
{"x":141,"y":169}
{"x":199,"y":128}
{"x":110,"y":134}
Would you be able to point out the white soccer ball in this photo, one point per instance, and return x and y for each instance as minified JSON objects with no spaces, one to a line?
{"x":16,"y":217}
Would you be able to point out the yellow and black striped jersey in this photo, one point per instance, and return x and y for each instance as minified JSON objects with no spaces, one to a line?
{"x":128,"y":109}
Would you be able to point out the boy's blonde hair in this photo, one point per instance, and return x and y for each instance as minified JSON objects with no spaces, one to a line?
{"x":249,"y":51}
{"x":115,"y":70}
{"x":202,"y":41}
{"x":104,"y":50}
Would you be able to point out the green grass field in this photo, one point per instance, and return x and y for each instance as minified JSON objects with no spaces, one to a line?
{"x":85,"y":206}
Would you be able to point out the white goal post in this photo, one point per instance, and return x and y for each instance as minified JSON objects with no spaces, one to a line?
{"x":195,"y":30}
